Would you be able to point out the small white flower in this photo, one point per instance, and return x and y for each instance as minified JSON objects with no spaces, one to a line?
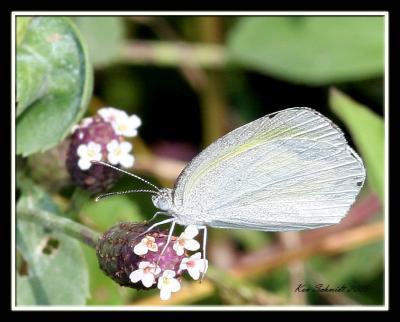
{"x":110,"y":114}
{"x":86,"y":121}
{"x":185,"y":240}
{"x":127,"y":125}
{"x":146,"y":244}
{"x":119,"y":153}
{"x":145,"y":273}
{"x":168,"y":284}
{"x":88,"y":152}
{"x":194,"y":265}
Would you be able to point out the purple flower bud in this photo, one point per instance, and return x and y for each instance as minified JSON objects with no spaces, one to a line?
{"x":124,"y":252}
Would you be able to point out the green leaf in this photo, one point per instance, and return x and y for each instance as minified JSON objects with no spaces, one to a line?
{"x":54,"y":83}
{"x":104,"y":37}
{"x":106,"y":213}
{"x":22,"y":25}
{"x":367,"y":131}
{"x":56,"y":268}
{"x":310,"y":50}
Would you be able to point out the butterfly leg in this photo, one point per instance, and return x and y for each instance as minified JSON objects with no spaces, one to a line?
{"x":171,"y":230}
{"x":155,"y":225}
{"x":156,"y":214}
{"x":204,"y":251}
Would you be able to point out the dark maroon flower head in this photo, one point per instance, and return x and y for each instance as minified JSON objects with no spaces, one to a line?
{"x":96,"y":178}
{"x":101,"y":138}
{"x":116,"y":253}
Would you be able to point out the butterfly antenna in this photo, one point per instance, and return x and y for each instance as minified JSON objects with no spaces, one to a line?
{"x":105,"y":195}
{"x":126,"y":172}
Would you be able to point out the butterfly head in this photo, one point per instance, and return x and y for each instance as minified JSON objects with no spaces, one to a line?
{"x":163,"y":199}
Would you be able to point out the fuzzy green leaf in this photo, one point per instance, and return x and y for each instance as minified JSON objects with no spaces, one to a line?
{"x":54,"y":82}
{"x":56,"y":271}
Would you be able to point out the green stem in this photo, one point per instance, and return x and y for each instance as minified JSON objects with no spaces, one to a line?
{"x":78,"y":199}
{"x":174,"y":54}
{"x":213,"y":94}
{"x":60,"y":224}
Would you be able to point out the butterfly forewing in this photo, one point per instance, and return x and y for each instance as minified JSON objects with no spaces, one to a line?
{"x":288,"y":170}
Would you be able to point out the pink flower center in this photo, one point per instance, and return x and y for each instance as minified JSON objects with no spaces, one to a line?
{"x":190,"y":263}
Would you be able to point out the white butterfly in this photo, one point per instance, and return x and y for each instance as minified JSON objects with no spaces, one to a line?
{"x":289,"y":170}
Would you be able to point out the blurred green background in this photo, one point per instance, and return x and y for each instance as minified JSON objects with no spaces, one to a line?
{"x":191,"y":80}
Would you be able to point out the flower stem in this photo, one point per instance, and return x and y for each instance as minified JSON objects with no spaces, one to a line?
{"x":174,"y":54}
{"x":78,"y":199}
{"x":60,"y":224}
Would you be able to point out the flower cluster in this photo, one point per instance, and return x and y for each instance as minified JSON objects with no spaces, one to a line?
{"x":134,"y":258}
{"x":167,"y":280}
{"x":101,"y":138}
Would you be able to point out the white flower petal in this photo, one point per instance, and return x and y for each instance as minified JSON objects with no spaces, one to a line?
{"x":149,"y":238}
{"x":84,"y":164}
{"x":96,"y":157}
{"x":106,"y":111}
{"x":174,"y":285}
{"x":168,"y":273}
{"x":113,"y":158}
{"x":125,"y":146}
{"x":178,"y":248}
{"x":125,"y":130}
{"x":195,"y":256}
{"x":112,"y":145}
{"x":153,"y":247}
{"x":121,"y":115}
{"x":127,"y":160}
{"x":136,"y":276}
{"x":183,"y":264}
{"x":191,"y":231}
{"x":144,"y":264}
{"x":140,"y":249}
{"x":135,"y":121}
{"x":148,"y":279}
{"x":86,"y":121}
{"x":110,"y":114}
{"x":82,"y":150}
{"x":165,"y":295}
{"x":192,"y":244}
{"x":201,"y":265}
{"x":94,"y":147}
{"x":194,"y":272}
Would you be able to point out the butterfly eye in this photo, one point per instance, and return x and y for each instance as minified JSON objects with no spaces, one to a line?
{"x":163,"y":204}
